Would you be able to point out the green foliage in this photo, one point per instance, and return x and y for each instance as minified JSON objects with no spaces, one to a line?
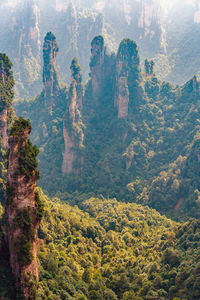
{"x":149,"y":65}
{"x":49,"y":41}
{"x":27,"y":152}
{"x":128,"y":49}
{"x":23,"y":219}
{"x":22,"y":244}
{"x":6,"y":82}
{"x":7,"y":283}
{"x":20,"y":125}
{"x":73,"y":118}
{"x":27,"y":160}
{"x":98,"y":44}
{"x":75,"y":69}
{"x":129,"y":57}
{"x":50,"y":50}
{"x":39,"y":204}
{"x":7,"y":116}
{"x":23,"y":248}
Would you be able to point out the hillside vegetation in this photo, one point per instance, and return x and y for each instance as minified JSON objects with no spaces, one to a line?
{"x":112,"y":250}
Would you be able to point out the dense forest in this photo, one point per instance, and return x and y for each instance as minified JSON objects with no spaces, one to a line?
{"x":110,"y":250}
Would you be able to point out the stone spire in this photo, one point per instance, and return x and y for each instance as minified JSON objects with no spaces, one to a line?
{"x":50,"y":77}
{"x":73,"y":126}
{"x":128,"y":76}
{"x":97,"y":64}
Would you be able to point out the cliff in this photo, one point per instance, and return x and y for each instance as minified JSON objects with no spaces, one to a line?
{"x":50,"y":78}
{"x":96,"y":64}
{"x":73,"y":126}
{"x":68,"y":40}
{"x":24,"y":32}
{"x":149,"y":67}
{"x":6,"y":97}
{"x":152,"y":84}
{"x":128,"y":77}
{"x":102,"y":69}
{"x":24,"y":209}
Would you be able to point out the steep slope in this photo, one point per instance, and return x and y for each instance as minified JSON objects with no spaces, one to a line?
{"x":6,"y":115}
{"x":24,"y":209}
{"x":18,"y":171}
{"x":6,"y":118}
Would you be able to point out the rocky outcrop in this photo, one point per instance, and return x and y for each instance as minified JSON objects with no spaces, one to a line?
{"x":72,"y":29}
{"x":123,"y":97}
{"x":50,"y":77}
{"x":128,"y":77}
{"x":97,"y":65}
{"x":24,"y":209}
{"x":152,"y":83}
{"x":73,"y":126}
{"x":191,"y":89}
{"x":148,"y":67}
{"x":89,"y":27}
{"x":6,"y":98}
{"x":195,"y":83}
{"x":77,"y":87}
{"x":4,"y":127}
{"x":68,"y":155}
{"x":102,"y":69}
{"x":129,"y":157}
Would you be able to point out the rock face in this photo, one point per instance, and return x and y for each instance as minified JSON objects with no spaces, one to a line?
{"x":26,"y":46}
{"x":128,"y":77}
{"x":72,"y":29}
{"x":129,"y":157}
{"x":24,"y":209}
{"x":50,"y":78}
{"x":102,"y":68}
{"x":97,"y":64}
{"x":6,"y":97}
{"x":4,"y":127}
{"x":123,"y":97}
{"x":73,"y":126}
{"x":77,"y":27}
{"x":68,"y":154}
{"x":149,"y":67}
